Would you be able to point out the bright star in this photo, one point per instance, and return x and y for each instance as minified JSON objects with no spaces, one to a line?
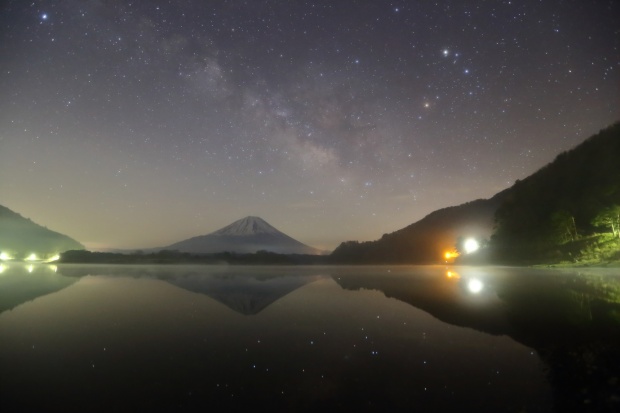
{"x":445,"y":52}
{"x":44,"y":16}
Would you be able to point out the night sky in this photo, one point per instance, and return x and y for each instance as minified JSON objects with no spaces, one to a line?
{"x":139,"y":124}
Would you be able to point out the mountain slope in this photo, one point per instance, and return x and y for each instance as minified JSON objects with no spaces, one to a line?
{"x":247,"y":235}
{"x":19,"y":237}
{"x":557,"y":205}
{"x":425,"y":241}
{"x":557,"y":208}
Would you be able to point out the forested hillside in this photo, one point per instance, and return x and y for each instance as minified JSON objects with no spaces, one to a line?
{"x":20,"y":237}
{"x":568,"y":210}
{"x":425,"y":241}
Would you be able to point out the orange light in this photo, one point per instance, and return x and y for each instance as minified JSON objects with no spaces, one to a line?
{"x":452,"y":274}
{"x":451,"y":254}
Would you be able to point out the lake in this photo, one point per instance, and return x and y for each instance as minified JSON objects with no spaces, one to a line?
{"x":93,"y":338}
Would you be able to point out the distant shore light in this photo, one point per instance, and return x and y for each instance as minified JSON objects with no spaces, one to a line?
{"x":471,"y":245}
{"x":451,"y":254}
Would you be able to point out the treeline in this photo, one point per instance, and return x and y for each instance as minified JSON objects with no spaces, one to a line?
{"x":566,"y":210}
{"x":176,"y":257}
{"x":426,"y":241}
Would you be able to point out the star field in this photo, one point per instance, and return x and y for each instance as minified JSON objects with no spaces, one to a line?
{"x":138,"y":124}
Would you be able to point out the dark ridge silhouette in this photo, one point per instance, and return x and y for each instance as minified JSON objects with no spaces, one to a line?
{"x":549,"y":215}
{"x":552,"y":215}
{"x":425,"y":241}
{"x":20,"y":237}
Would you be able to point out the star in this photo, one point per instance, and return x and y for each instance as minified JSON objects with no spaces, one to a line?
{"x":305,"y":104}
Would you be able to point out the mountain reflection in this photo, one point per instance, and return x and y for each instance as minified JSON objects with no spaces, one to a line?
{"x":246,"y":290}
{"x":120,"y":326}
{"x":571,"y":318}
{"x":445,"y":295}
{"x":247,"y":295}
{"x":21,"y":283}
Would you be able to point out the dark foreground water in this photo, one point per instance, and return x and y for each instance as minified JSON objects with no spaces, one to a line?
{"x":207,"y":338}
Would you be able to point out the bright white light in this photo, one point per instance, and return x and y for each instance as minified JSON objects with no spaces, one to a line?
{"x":4,"y":256}
{"x":30,"y":268}
{"x":54,"y":258}
{"x":471,"y":245}
{"x":475,"y":286}
{"x":31,"y":257}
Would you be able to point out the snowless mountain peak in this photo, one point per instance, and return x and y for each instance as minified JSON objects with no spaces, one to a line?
{"x":249,"y":225}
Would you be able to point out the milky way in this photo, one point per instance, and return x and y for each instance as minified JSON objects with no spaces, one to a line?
{"x":138,"y":124}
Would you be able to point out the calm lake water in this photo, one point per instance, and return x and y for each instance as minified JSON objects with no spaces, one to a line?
{"x":190,"y":338}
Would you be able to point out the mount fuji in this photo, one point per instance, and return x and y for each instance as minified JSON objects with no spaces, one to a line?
{"x":247,"y":235}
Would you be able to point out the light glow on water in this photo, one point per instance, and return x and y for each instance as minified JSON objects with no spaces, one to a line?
{"x":453,"y":274}
{"x":475,"y":286}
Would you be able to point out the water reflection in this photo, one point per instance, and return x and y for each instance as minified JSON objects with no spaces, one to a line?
{"x":21,"y":283}
{"x":571,"y":318}
{"x":247,"y":290}
{"x":129,"y":338}
{"x":248,"y":294}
